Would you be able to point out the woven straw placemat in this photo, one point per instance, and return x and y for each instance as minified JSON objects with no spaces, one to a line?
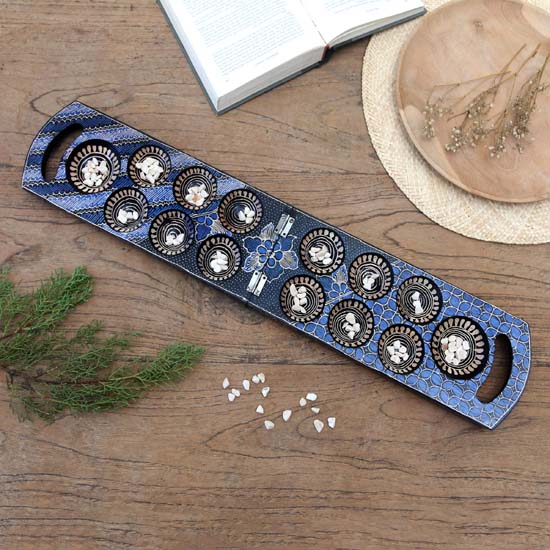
{"x":443,"y":202}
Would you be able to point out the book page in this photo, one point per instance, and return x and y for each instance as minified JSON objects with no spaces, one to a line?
{"x":236,"y":42}
{"x":336,"y":17}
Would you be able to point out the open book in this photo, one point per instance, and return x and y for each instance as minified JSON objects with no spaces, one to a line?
{"x":241,"y":48}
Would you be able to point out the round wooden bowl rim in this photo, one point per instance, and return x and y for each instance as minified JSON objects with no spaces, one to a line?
{"x":412,"y":136}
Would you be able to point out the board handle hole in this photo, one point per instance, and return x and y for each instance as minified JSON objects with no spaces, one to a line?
{"x":56,"y":149}
{"x":500,"y":370}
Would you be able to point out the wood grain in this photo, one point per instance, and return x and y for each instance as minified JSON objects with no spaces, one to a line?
{"x":462,"y":41}
{"x":184,"y":469}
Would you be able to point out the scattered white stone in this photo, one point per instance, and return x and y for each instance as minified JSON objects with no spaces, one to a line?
{"x":127,"y":215}
{"x":174,"y":238}
{"x":369,"y":280}
{"x":455,"y":349}
{"x":95,"y":172}
{"x":122,"y":216}
{"x":197,"y":195}
{"x":320,"y":254}
{"x":398,"y":352}
{"x":461,"y":354}
{"x":418,"y":309}
{"x":220,"y":262}
{"x":351,"y":326}
{"x":299,"y":298}
{"x":261,"y":377}
{"x":247,"y":215}
{"x":150,"y":169}
{"x":287,"y":413}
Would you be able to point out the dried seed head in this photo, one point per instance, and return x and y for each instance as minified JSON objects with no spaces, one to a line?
{"x":478,"y":121}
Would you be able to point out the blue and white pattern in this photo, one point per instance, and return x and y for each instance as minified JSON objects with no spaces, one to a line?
{"x":207,"y":223}
{"x":336,"y":286}
{"x":269,"y":252}
{"x":277,"y":257}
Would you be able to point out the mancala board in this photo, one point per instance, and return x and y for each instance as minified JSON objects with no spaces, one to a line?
{"x":380,"y":311}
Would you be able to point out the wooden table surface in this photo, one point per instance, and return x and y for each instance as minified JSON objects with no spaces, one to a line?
{"x":183,"y":468}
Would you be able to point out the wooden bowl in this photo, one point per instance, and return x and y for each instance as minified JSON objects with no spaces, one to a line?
{"x":460,"y":41}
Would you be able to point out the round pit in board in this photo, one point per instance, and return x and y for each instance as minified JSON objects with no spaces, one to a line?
{"x":219,"y":258}
{"x":240,"y":211}
{"x":419,"y":300}
{"x":350,"y":323}
{"x":302,"y":299}
{"x":401,"y":349}
{"x":149,"y":166}
{"x":171,"y":232}
{"x":322,"y":251}
{"x":371,"y":276}
{"x":460,"y":347}
{"x":92,"y":166}
{"x":195,"y":188}
{"x":125,"y":210}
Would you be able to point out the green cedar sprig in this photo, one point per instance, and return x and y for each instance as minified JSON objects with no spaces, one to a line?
{"x":49,"y":371}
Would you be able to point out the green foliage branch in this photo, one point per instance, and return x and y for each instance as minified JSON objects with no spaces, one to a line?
{"x":50,"y":371}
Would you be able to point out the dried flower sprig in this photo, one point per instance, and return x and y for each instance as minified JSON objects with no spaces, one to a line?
{"x":514,"y":123}
{"x":479,"y":122}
